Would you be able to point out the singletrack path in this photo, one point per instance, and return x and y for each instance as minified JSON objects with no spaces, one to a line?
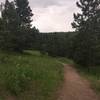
{"x":75,"y":87}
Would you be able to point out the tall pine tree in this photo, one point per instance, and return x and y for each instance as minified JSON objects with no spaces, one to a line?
{"x":86,"y":24}
{"x":87,"y":20}
{"x":10,"y":16}
{"x":25,"y":13}
{"x":17,"y":33}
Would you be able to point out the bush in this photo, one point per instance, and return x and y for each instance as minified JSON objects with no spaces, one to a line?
{"x":19,"y":79}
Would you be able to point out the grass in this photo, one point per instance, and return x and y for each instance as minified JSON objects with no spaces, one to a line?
{"x":29,"y":76}
{"x":65,"y":60}
{"x":92,"y":74}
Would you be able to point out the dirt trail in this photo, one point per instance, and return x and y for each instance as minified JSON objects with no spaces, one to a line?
{"x":75,"y":87}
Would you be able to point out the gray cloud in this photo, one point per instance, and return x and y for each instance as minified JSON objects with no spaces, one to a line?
{"x":53,"y":15}
{"x":46,"y":3}
{"x":56,"y":16}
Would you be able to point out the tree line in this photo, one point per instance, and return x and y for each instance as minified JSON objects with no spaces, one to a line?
{"x":82,"y":45}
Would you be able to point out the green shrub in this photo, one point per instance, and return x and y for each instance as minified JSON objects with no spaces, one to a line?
{"x":19,"y":79}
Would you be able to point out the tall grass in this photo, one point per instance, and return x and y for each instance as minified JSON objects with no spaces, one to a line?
{"x":29,"y":76}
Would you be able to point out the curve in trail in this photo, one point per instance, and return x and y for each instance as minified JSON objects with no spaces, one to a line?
{"x":75,"y":87}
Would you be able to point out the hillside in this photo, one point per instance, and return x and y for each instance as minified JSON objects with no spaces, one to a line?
{"x":28,"y":76}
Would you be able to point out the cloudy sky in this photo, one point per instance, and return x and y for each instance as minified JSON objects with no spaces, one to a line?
{"x":53,"y":15}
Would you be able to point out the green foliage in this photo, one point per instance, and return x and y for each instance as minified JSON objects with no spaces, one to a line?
{"x":1,"y":25}
{"x":16,"y":33}
{"x":86,"y":49}
{"x":19,"y":79}
{"x":10,"y":17}
{"x":55,"y":44}
{"x":87,"y":21}
{"x":29,"y":75}
{"x":25,"y":13}
{"x":4,"y":59}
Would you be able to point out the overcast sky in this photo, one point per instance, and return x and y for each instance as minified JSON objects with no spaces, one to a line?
{"x":53,"y":15}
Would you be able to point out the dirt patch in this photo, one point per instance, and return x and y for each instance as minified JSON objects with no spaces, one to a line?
{"x":75,"y":87}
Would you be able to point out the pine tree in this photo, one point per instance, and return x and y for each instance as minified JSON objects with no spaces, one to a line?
{"x":25,"y":13}
{"x":9,"y":21}
{"x":87,"y":19}
{"x":86,"y":24}
{"x":17,"y":33}
{"x":25,"y":31}
{"x":10,"y":16}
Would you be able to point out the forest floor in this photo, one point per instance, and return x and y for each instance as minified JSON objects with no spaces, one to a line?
{"x":75,"y":87}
